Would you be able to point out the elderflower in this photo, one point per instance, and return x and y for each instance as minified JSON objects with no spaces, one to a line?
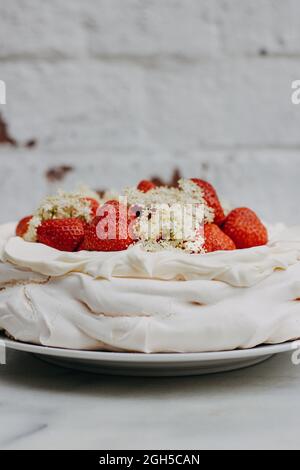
{"x":170,"y":218}
{"x":63,"y":205}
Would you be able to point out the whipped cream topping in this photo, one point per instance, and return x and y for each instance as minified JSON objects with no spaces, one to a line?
{"x":121,"y":301}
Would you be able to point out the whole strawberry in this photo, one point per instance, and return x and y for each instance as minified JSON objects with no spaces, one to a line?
{"x":109,"y":231}
{"x":216,"y":240}
{"x":244,"y":227}
{"x":211,"y":199}
{"x":146,"y":186}
{"x":22,"y":226}
{"x":62,"y":234}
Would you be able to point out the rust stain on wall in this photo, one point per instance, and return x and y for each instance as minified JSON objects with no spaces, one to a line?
{"x":5,"y":137}
{"x":172,"y":183}
{"x":31,"y":143}
{"x":58,"y":173}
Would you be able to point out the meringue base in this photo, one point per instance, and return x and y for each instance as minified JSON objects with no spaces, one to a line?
{"x":151,"y":302}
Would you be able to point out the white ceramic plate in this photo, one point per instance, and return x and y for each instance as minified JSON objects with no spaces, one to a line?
{"x":137,"y":364}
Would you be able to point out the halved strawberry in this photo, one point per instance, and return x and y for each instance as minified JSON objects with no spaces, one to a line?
{"x":211,"y":199}
{"x":146,"y":186}
{"x":216,"y":240}
{"x":244,"y":227}
{"x":22,"y":226}
{"x":62,"y":234}
{"x":109,"y":230}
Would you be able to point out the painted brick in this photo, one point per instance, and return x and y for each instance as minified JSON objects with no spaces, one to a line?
{"x":124,"y":29}
{"x":31,"y":29}
{"x":145,"y":28}
{"x":259,"y":179}
{"x":84,"y":105}
{"x":259,"y":26}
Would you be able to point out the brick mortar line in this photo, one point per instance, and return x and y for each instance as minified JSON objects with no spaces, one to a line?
{"x":74,"y":151}
{"x":145,"y":60}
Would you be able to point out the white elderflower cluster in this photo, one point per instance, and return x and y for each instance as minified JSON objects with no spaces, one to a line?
{"x":187,"y":192}
{"x":61,"y":206}
{"x":177,"y":226}
{"x":170,"y":218}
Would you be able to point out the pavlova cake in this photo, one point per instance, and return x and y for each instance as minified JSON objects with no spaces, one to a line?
{"x":154,"y":269}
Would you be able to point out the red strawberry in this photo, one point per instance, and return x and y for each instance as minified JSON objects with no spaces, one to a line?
{"x":146,"y":186}
{"x":94,"y":205}
{"x":216,"y":240}
{"x":109,"y":230}
{"x":245,"y":228}
{"x":62,"y":234}
{"x":22,"y":226}
{"x":211,"y":199}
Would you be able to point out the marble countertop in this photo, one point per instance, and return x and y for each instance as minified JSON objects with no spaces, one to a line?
{"x":47,"y":407}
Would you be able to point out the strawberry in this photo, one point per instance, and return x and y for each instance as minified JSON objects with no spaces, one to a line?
{"x":62,"y":234}
{"x":146,"y":186}
{"x":94,"y":204}
{"x":216,"y":240}
{"x":22,"y":226}
{"x":108,"y":231}
{"x":211,"y":199}
{"x":245,"y":228}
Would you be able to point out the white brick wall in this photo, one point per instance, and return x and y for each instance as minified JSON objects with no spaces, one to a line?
{"x":257,"y":178}
{"x":122,"y":89}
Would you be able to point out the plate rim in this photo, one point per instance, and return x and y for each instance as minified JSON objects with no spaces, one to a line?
{"x":138,"y":357}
